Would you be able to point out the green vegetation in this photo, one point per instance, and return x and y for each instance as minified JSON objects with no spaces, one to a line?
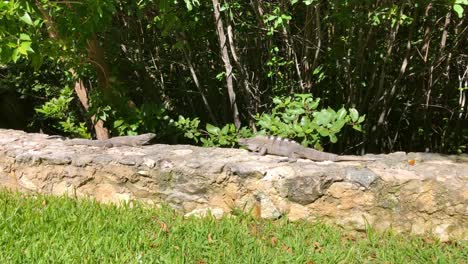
{"x":298,"y":118}
{"x":205,"y":72}
{"x":44,"y":229}
{"x":295,"y":117}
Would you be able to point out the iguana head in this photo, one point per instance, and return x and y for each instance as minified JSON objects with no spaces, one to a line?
{"x":252,"y":144}
{"x":146,"y":138}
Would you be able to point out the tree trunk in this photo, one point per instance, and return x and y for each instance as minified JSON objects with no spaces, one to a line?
{"x":101,"y":131}
{"x":253,"y":100}
{"x":227,"y":62}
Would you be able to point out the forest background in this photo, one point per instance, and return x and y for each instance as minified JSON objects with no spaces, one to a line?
{"x":350,"y":76}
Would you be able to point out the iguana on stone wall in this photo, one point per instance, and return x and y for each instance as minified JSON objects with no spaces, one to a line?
{"x":133,"y":141}
{"x":289,"y":148}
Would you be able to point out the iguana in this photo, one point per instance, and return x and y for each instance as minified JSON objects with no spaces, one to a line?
{"x":134,"y":141}
{"x":291,"y":149}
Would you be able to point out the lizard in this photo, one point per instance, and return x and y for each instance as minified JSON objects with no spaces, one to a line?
{"x":289,"y":148}
{"x":133,"y":141}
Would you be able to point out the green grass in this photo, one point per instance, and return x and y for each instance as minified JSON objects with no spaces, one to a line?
{"x":45,"y":229}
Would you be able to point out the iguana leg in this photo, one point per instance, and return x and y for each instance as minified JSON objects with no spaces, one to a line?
{"x":262,"y":151}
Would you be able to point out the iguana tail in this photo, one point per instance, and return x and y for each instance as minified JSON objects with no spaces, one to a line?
{"x":354,"y":158}
{"x":316,"y":155}
{"x":313,"y":154}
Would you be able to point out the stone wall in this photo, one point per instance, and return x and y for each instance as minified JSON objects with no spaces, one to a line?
{"x":429,"y":196}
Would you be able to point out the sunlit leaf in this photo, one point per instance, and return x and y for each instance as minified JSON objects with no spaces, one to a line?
{"x":459,"y":10}
{"x":341,"y":114}
{"x":118,"y":123}
{"x":24,"y":37}
{"x":26,"y":19}
{"x":354,"y":114}
{"x":212,"y":129}
{"x":357,"y":127}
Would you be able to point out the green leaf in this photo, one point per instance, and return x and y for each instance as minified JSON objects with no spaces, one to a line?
{"x":103,"y":116}
{"x":317,"y":146}
{"x":296,"y":112}
{"x":220,"y":76}
{"x":22,"y":50}
{"x":361,"y":119}
{"x":298,"y":128}
{"x":323,"y":117}
{"x":223,"y":141}
{"x":341,"y":114}
{"x":207,"y":142}
{"x":354,"y":114}
{"x":25,"y":47}
{"x":338,"y":125}
{"x":323,"y":131}
{"x":358,"y":128}
{"x":315,"y":104}
{"x":15,"y":55}
{"x":188,"y":4}
{"x":271,"y":17}
{"x":212,"y":129}
{"x":333,"y":138}
{"x":27,"y":19}
{"x":459,"y":10}
{"x":277,"y":100}
{"x":225,"y":129}
{"x":118,"y":123}
{"x":25,"y":37}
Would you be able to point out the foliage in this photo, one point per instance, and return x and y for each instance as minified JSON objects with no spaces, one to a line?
{"x":298,"y":117}
{"x":225,"y":136}
{"x":293,"y":117}
{"x":19,"y":33}
{"x":212,"y":135}
{"x":458,"y":7}
{"x":189,"y":127}
{"x":43,"y":229}
{"x":276,"y":20}
{"x":133,"y":121}
{"x":402,"y":63}
{"x":57,"y":109}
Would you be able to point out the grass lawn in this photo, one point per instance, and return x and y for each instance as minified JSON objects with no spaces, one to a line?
{"x":45,"y":229}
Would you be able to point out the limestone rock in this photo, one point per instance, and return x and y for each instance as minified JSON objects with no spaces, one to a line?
{"x":427,"y":195}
